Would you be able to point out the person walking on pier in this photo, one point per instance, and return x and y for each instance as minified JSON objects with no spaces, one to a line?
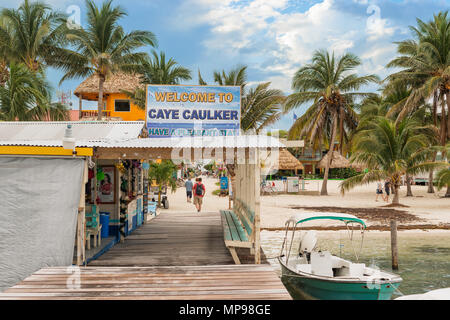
{"x":189,"y":185}
{"x":199,"y":193}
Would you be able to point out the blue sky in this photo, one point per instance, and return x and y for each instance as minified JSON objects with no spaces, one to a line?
{"x":272,"y":37}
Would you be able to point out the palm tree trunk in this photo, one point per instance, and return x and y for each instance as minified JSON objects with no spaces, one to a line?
{"x":324,"y":191}
{"x":431,"y":177}
{"x":341,"y":131}
{"x":448,"y":114}
{"x":159,"y":197}
{"x":435,"y":103}
{"x":447,"y":194}
{"x":443,"y":122}
{"x":408,"y":186}
{"x":396,"y":199}
{"x":101,"y":82}
{"x":435,"y":122}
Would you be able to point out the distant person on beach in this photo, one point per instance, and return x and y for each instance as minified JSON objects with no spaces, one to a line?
{"x":189,"y":185}
{"x":387,"y":189}
{"x":199,"y":193}
{"x":379,"y":191}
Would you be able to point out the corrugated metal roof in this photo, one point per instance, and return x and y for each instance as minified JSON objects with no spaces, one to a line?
{"x":195,"y":142}
{"x":241,"y":142}
{"x":116,"y":135}
{"x":52,"y":133}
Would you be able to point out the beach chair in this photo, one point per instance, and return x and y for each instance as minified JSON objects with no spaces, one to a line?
{"x":93,"y":227}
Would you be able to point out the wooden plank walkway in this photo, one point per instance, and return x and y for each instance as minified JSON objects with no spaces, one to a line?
{"x":172,"y":239}
{"x":173,"y":257}
{"x":229,"y":282}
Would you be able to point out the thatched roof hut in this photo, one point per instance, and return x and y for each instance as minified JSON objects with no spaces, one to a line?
{"x":286,"y":161}
{"x":337,"y":161}
{"x":114,"y":83}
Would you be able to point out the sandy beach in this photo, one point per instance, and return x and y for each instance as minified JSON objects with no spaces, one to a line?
{"x":423,"y":208}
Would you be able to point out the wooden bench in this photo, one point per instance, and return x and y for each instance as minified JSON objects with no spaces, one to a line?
{"x":238,"y":229}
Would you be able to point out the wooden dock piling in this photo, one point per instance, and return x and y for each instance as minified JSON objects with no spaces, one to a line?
{"x":394,"y":248}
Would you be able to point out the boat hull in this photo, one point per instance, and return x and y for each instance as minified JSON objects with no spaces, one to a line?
{"x":302,"y":287}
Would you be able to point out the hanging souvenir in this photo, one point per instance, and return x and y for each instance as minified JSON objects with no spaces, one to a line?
{"x":100,"y":174}
{"x":91,"y":174}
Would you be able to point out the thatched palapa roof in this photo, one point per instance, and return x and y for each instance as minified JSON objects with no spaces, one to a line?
{"x":286,"y":161}
{"x":114,"y":83}
{"x":337,"y":161}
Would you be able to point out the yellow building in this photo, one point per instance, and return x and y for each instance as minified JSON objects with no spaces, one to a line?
{"x":117,"y":105}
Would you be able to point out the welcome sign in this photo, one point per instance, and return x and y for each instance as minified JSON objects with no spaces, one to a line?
{"x":180,"y":111}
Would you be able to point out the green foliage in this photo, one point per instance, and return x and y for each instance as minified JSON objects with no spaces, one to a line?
{"x":103,"y":47}
{"x":390,"y":150}
{"x":32,"y":35}
{"x":342,"y":173}
{"x":329,"y":84}
{"x":163,"y":174}
{"x":443,"y":178}
{"x":283,"y":134}
{"x":158,"y":71}
{"x":25,"y":97}
{"x":210,"y":166}
{"x":424,"y":63}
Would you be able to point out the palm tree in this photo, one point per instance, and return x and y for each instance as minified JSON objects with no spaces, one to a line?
{"x":425,"y":61}
{"x":261,"y":107}
{"x":103,"y":47}
{"x":162,"y":173}
{"x":443,"y":180}
{"x":390,"y":150}
{"x":234,"y":77}
{"x":32,"y":35}
{"x":25,"y":97}
{"x":332,"y":89}
{"x":4,"y":48}
{"x":158,"y":71}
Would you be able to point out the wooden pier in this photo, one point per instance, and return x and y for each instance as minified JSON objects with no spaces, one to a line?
{"x":172,"y":239}
{"x":174,"y":257}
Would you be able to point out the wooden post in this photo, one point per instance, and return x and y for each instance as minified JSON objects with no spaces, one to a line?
{"x":80,"y":111}
{"x":95,"y":183}
{"x":257,"y":197}
{"x":394,"y":248}
{"x":81,"y":219}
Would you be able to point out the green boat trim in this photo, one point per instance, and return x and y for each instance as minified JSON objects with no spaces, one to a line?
{"x":346,"y":218}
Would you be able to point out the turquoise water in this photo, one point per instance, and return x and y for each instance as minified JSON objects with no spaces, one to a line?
{"x":424,"y":257}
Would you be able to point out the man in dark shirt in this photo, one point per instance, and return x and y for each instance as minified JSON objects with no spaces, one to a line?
{"x":387,"y":189}
{"x":199,"y":193}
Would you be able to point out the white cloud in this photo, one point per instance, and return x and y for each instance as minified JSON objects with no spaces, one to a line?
{"x":376,"y":26}
{"x":275,"y":39}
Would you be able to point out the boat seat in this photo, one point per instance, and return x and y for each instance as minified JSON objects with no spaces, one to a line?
{"x":353,"y":270}
{"x":339,"y":262}
{"x":306,"y":268}
{"x":321,"y":264}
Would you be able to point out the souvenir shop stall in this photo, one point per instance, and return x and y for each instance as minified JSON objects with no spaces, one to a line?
{"x":116,"y":200}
